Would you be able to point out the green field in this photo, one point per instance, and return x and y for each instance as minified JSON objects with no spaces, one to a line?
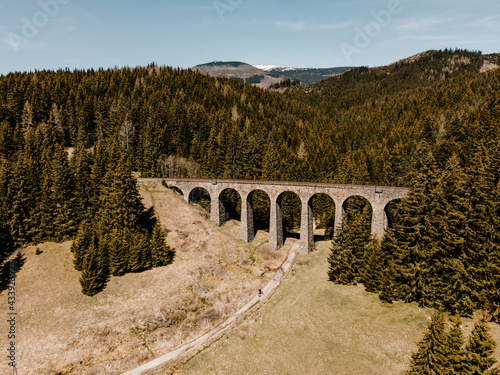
{"x":311,"y":326}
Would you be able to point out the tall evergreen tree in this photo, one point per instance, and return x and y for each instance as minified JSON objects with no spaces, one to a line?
{"x":350,"y":244}
{"x":81,"y":245}
{"x":80,"y":164}
{"x":138,"y":254}
{"x":94,"y":274}
{"x":430,"y":359}
{"x":161,"y":253}
{"x":479,"y":350}
{"x":455,"y":351}
{"x":120,"y":202}
{"x":116,"y":246}
{"x":24,"y":192}
{"x":407,"y":240}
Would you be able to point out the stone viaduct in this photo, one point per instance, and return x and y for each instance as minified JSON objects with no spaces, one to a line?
{"x":377,"y":196}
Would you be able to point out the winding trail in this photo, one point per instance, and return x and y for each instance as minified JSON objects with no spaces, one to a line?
{"x":220,"y":329}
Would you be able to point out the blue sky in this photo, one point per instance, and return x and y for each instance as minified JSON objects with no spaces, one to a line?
{"x":52,"y":34}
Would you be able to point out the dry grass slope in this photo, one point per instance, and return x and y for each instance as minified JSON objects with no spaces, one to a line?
{"x":138,"y":316}
{"x":309,"y":326}
{"x":312,"y":326}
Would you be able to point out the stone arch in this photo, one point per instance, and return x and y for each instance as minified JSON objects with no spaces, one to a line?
{"x":255,"y":213}
{"x":323,"y":213}
{"x":176,"y":189}
{"x":200,"y":196}
{"x":389,"y":211}
{"x":360,"y":204}
{"x":289,"y":204}
{"x":230,"y":204}
{"x":260,"y":202}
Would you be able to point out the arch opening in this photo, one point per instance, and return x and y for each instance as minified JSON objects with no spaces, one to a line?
{"x":260,"y":205}
{"x":201,"y":197}
{"x":231,"y":201}
{"x":176,"y":189}
{"x":290,"y":206}
{"x":255,"y":208}
{"x":323,"y":210}
{"x":390,"y":211}
{"x":357,"y":218}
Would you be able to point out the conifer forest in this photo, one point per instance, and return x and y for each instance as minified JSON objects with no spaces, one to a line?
{"x":73,"y":142}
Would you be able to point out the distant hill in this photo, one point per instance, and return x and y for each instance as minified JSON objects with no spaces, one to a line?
{"x":265,"y":76}
{"x":426,"y":69}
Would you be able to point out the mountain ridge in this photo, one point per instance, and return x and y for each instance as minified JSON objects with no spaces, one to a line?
{"x":267,"y":76}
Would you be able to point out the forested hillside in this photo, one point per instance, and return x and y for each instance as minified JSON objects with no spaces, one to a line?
{"x":442,"y":248}
{"x":69,"y":141}
{"x":378,"y":116}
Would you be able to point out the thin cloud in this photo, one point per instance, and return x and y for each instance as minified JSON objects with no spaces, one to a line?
{"x":15,"y":44}
{"x":292,"y":25}
{"x":336,"y":26}
{"x":490,"y":21}
{"x":303,"y":25}
{"x":416,"y":24}
{"x":195,"y":7}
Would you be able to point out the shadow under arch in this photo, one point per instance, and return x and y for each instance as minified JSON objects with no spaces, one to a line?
{"x":289,"y":207}
{"x":323,"y":211}
{"x":358,"y":211}
{"x":258,"y":211}
{"x":231,"y":204}
{"x":391,"y":211}
{"x":176,"y":189}
{"x":201,"y":197}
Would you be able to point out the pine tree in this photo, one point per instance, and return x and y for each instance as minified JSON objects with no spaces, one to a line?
{"x":136,"y":251}
{"x":81,"y":245}
{"x":116,"y":247}
{"x":455,"y":351}
{"x":62,"y":196}
{"x":388,"y":285}
{"x":445,"y":225}
{"x":350,"y":244}
{"x":146,"y":256}
{"x":341,"y":261}
{"x":121,"y":205}
{"x":430,"y":358}
{"x":479,"y":350}
{"x":94,"y":274}
{"x":161,"y":253}
{"x":83,"y":192}
{"x":408,"y":239}
{"x":5,"y":180}
{"x":26,"y":119}
{"x":24,"y":191}
{"x":479,"y":247}
{"x":375,"y":262}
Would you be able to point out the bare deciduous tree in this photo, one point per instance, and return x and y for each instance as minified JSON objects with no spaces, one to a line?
{"x":127,"y":133}
{"x":173,"y":166}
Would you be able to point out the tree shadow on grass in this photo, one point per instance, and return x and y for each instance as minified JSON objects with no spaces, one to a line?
{"x":9,"y":270}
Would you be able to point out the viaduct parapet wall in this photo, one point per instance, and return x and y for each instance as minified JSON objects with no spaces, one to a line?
{"x":378,"y":196}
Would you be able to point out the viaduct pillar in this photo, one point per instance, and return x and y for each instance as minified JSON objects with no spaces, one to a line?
{"x":306,"y":227}
{"x":275,"y":224}
{"x":247,"y":233}
{"x":339,"y":214}
{"x":217,"y":209}
{"x":379,"y":221}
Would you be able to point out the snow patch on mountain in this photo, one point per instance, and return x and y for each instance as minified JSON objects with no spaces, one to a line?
{"x":268,"y":68}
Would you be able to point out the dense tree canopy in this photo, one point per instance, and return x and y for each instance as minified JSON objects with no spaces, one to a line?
{"x":70,"y":140}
